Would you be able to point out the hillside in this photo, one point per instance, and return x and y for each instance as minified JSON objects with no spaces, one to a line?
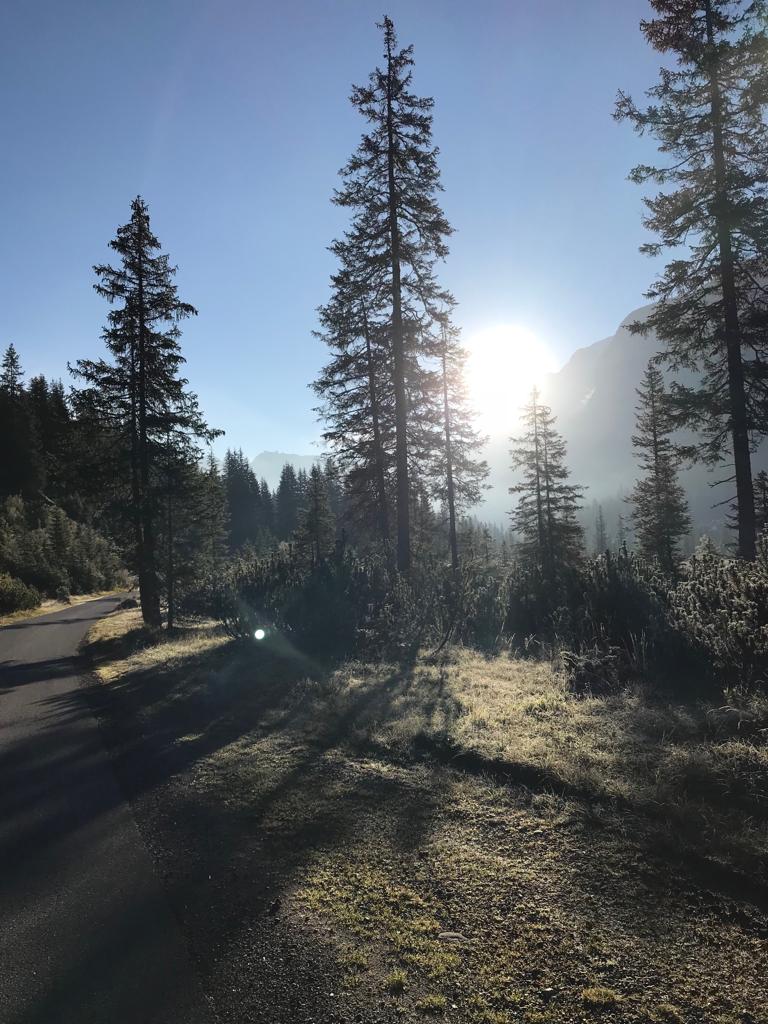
{"x":267,"y":465}
{"x":593,"y":397}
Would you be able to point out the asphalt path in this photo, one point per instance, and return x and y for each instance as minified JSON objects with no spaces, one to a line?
{"x":86,"y":934}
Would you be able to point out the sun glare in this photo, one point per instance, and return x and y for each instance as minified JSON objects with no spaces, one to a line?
{"x":504,"y":364}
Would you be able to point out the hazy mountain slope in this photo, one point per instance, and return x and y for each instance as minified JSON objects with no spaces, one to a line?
{"x":270,"y":464}
{"x":593,"y":397}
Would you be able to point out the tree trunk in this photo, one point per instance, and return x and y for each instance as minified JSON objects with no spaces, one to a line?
{"x":378,"y":450}
{"x":449,"y":470}
{"x":149,"y":590}
{"x":745,"y":499}
{"x":135,"y":483}
{"x":539,"y":499}
{"x":171,"y":567}
{"x":398,"y":355}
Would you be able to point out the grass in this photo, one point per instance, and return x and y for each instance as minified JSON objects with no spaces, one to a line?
{"x":462,"y":839}
{"x":600,"y":998}
{"x":50,"y":605}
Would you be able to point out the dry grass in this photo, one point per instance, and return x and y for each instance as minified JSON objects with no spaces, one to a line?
{"x":119,"y":645}
{"x":426,"y":891}
{"x":50,"y":605}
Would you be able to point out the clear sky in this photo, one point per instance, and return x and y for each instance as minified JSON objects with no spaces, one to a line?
{"x":231,"y":118}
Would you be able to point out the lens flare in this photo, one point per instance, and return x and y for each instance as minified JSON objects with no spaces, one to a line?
{"x":259,"y":634}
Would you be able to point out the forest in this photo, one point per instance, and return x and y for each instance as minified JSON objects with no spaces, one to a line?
{"x":400,"y":713}
{"x":379,"y":548}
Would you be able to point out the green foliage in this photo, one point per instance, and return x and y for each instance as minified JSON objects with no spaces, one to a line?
{"x":545,"y":515}
{"x":721,"y":604}
{"x":339,"y":607}
{"x":660,"y":509}
{"x":612,"y":620}
{"x":49,"y":552}
{"x":137,"y":394}
{"x":707,"y":113}
{"x":16,"y":596}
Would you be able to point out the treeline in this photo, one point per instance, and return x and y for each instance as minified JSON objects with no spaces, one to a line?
{"x":379,"y":534}
{"x":398,"y":424}
{"x":52,"y":542}
{"x":710,"y":310}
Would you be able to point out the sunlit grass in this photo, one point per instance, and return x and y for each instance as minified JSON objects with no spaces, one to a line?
{"x":459,"y":893}
{"x":48,"y":606}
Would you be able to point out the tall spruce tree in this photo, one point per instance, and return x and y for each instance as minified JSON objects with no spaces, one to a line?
{"x":397,"y":234}
{"x":660,"y":510}
{"x":139,"y":396}
{"x":358,"y":401}
{"x":707,"y":113}
{"x":47,"y":405}
{"x":545,"y":515}
{"x":213,"y":514}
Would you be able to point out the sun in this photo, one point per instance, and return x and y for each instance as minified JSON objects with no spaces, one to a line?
{"x":504,"y":364}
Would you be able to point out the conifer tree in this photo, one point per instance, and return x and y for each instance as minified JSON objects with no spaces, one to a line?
{"x":11,"y":373}
{"x":267,"y":509}
{"x":287,"y":503}
{"x":545,"y":515}
{"x":139,"y":396}
{"x":460,"y":473}
{"x":358,"y":399}
{"x":213,"y":513}
{"x":242,"y":498}
{"x":315,"y":534}
{"x":22,"y":466}
{"x":761,"y":500}
{"x":707,"y":113}
{"x":660,"y":510}
{"x":47,"y":406}
{"x":398,"y":232}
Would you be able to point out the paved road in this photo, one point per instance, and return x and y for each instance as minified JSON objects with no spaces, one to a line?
{"x":86,"y":935}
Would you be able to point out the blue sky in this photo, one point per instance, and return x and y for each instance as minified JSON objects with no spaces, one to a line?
{"x":231,"y":118}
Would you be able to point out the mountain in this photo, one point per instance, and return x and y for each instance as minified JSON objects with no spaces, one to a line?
{"x":593,"y":397}
{"x":270,"y":464}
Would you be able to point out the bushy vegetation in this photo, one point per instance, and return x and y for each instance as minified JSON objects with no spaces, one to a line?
{"x":722,"y":606}
{"x":44,"y":552}
{"x":611,"y":621}
{"x":16,"y":596}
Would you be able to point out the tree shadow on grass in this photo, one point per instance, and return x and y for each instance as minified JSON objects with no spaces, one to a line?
{"x":249,"y":766}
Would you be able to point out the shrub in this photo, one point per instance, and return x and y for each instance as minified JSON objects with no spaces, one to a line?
{"x":340,"y":607}
{"x":16,"y":596}
{"x":721,"y":605}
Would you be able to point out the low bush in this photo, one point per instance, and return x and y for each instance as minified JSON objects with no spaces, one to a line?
{"x":16,"y":596}
{"x":339,"y":607}
{"x":721,"y":605}
{"x":611,"y":620}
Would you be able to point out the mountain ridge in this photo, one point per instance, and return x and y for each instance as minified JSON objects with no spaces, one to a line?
{"x":593,"y":397}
